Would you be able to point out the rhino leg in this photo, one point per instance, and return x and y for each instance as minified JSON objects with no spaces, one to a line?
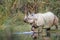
{"x":48,"y":32}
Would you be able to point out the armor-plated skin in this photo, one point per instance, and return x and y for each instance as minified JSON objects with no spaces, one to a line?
{"x":41,"y":21}
{"x":47,"y":19}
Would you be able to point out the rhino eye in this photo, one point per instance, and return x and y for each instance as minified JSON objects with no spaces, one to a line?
{"x":32,"y":15}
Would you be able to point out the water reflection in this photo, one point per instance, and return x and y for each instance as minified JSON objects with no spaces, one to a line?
{"x":49,"y":36}
{"x":52,"y":36}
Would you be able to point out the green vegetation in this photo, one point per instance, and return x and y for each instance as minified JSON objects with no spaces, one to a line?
{"x":11,"y":17}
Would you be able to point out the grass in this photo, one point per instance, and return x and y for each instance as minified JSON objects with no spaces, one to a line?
{"x":12,"y":25}
{"x":9,"y":25}
{"x":21,"y":28}
{"x":15,"y":24}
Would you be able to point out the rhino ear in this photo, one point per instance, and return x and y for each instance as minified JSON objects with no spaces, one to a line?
{"x":29,"y":13}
